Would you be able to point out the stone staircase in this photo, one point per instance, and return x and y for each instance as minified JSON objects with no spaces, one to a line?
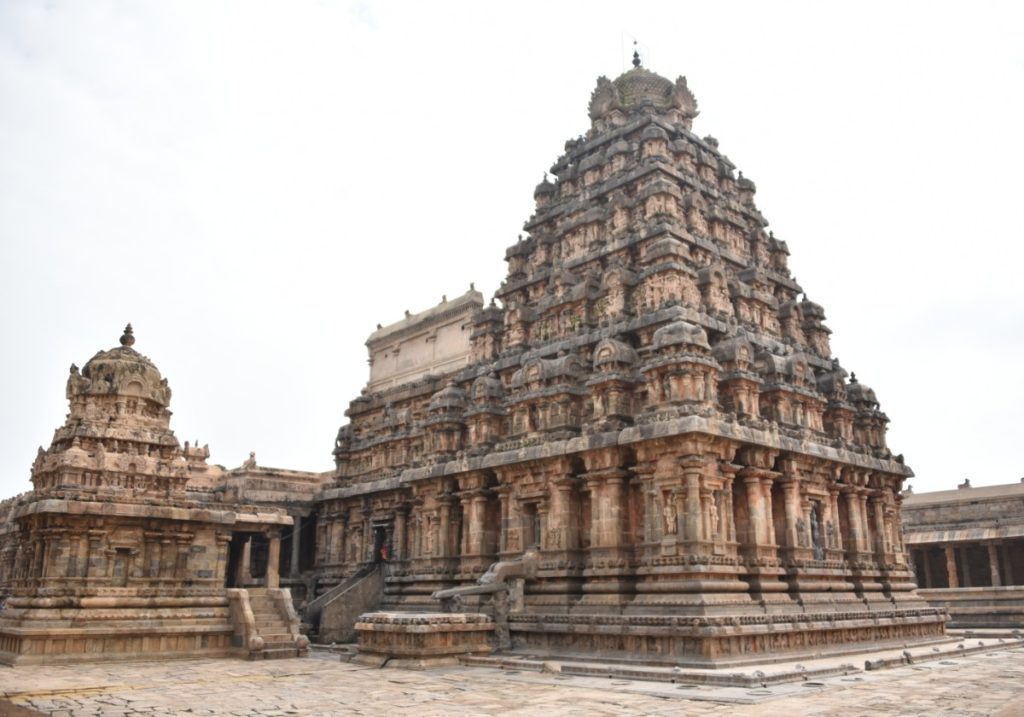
{"x":278,"y":640}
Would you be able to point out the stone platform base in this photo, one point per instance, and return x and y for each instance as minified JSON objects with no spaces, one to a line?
{"x":716,"y":642}
{"x":753,"y":676}
{"x":419,"y":640}
{"x":126,"y":627}
{"x":984,"y":608}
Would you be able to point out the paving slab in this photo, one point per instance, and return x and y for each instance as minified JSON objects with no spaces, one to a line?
{"x":983,"y":684}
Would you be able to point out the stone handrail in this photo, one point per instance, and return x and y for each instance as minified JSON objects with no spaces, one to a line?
{"x":246,"y":638}
{"x":283,"y":600}
{"x":311,"y":612}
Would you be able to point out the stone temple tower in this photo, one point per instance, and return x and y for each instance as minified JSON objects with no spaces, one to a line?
{"x":654,"y":411}
{"x":111,"y":556}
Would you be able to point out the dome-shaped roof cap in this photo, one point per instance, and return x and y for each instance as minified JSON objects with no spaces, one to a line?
{"x":123,"y":370}
{"x":861,"y":395}
{"x":488,"y":386}
{"x":680,"y":333}
{"x":612,"y":352}
{"x":545,"y":188}
{"x":654,"y":132}
{"x":449,"y":397}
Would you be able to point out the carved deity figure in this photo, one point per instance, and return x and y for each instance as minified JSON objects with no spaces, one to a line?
{"x":819,"y":552}
{"x":430,"y":537}
{"x":669,"y":512}
{"x":801,"y":533}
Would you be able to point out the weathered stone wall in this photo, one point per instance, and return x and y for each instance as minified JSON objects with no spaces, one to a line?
{"x":435,"y":341}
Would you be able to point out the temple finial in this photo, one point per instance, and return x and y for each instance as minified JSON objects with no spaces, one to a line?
{"x":636,"y":55}
{"x":127,"y":338}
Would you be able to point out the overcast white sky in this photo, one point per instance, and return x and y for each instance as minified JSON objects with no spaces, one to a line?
{"x":256,"y":185}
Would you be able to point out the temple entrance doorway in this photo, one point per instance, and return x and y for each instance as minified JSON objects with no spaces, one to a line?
{"x":381,"y":549}
{"x":248,"y":556}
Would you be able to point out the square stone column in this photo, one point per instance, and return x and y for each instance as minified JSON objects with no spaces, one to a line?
{"x":293,"y":568}
{"x":954,"y":582}
{"x":993,"y":564}
{"x":274,"y":560}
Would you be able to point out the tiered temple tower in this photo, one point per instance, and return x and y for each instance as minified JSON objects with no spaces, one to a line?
{"x":112,"y":556}
{"x":654,"y":408}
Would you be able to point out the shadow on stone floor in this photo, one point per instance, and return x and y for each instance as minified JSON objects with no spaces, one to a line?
{"x":9,"y":709}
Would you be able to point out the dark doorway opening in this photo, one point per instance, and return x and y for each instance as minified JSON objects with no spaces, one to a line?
{"x":381,"y":549}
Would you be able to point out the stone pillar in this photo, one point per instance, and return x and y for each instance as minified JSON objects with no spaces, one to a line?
{"x":444,"y":539}
{"x":833,"y":518}
{"x":766,"y":489}
{"x":183,"y":541}
{"x":966,"y":566}
{"x":368,"y":555}
{"x":561,"y":521}
{"x":329,"y":530}
{"x":477,"y":531}
{"x":758,"y":531}
{"x":398,"y":548}
{"x":223,"y":552}
{"x":321,"y":542}
{"x":925,"y":554}
{"x":293,"y":569}
{"x":615,"y":501}
{"x":708,"y":514}
{"x":607,"y":505}
{"x":878,"y":504}
{"x":466,"y":504}
{"x":951,"y":567}
{"x":505,"y":499}
{"x":693,"y":523}
{"x":993,"y":564}
{"x":596,"y":487}
{"x":274,"y":560}
{"x":168,"y":556}
{"x":651,"y":515}
{"x":343,"y":538}
{"x":791,"y":493}
{"x":866,"y":531}
{"x":856,"y":526}
{"x":96,"y":564}
{"x":727,"y":514}
{"x":241,"y":567}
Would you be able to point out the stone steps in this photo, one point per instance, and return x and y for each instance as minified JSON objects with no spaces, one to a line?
{"x":273,"y":627}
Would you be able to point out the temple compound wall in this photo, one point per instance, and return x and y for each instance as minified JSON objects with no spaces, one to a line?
{"x":967,"y":549}
{"x":654,"y":409}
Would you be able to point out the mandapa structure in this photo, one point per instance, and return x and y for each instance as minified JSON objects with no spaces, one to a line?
{"x":967,"y":547}
{"x":653,"y":409}
{"x":126,"y":548}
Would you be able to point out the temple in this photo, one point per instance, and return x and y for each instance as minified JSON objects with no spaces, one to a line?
{"x":126,"y":548}
{"x":642,"y":448}
{"x":652,"y":410}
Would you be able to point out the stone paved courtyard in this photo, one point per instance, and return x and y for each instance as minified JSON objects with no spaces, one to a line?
{"x":982,"y":684}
